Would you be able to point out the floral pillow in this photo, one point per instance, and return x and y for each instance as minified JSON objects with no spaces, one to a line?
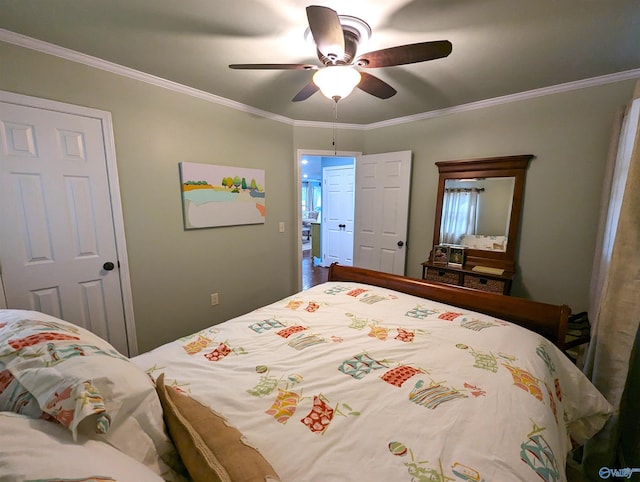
{"x":57,"y":365}
{"x":15,"y":398}
{"x":83,"y":383}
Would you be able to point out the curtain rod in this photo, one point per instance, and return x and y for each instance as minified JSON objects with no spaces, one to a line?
{"x":464,"y":189}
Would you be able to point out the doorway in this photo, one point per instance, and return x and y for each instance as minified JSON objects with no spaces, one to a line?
{"x":310,"y":164}
{"x":381,"y":209}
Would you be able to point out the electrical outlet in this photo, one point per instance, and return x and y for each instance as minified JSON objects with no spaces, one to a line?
{"x":214,"y":299}
{"x":281,"y":227}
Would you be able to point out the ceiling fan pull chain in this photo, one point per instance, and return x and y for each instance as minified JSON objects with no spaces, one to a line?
{"x":335,"y":128}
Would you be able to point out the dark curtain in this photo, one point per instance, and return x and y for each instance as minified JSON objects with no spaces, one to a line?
{"x":629,"y":452}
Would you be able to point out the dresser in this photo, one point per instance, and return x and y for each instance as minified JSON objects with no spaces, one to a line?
{"x":492,"y":283}
{"x":477,"y":223}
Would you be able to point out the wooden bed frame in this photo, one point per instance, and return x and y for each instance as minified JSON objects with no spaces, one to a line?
{"x":548,"y":320}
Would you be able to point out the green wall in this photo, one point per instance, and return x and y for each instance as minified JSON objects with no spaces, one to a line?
{"x":173,"y":271}
{"x":321,"y":139}
{"x":569,"y":134}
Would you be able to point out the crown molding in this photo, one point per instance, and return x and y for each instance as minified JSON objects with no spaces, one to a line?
{"x":506,"y":99}
{"x":330,"y":125}
{"x":68,"y":54}
{"x":74,"y":56}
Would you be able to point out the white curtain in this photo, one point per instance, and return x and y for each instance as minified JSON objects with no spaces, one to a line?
{"x":307,"y":198}
{"x":317,"y":198}
{"x":614,"y":309}
{"x":459,"y":209}
{"x":311,"y":197}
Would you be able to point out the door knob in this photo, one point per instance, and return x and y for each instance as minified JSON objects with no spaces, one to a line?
{"x":400,"y":244}
{"x":108,"y":266}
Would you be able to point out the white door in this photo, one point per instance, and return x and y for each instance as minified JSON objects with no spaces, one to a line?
{"x":381,"y":211}
{"x":58,"y":236}
{"x":337,"y":215}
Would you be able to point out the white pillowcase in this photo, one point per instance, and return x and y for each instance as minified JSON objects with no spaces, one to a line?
{"x":32,"y":449}
{"x":81,"y":381}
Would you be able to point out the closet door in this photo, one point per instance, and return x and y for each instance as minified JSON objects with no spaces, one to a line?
{"x":58,"y":244}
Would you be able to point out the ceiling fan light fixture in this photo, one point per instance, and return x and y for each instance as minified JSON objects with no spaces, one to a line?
{"x":336,"y":81}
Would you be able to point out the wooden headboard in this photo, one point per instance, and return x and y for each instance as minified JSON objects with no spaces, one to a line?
{"x":548,"y":320}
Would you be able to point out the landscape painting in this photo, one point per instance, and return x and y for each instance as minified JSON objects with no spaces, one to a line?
{"x":214,"y":196}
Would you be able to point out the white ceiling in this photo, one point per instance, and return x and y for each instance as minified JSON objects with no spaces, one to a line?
{"x":500,"y":47}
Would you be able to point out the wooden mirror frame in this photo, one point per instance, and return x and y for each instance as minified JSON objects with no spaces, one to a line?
{"x":506,"y":166}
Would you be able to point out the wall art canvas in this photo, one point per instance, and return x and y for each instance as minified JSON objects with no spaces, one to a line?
{"x":214,"y":196}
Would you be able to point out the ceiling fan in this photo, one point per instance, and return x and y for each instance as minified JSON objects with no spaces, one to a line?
{"x":336,"y":38}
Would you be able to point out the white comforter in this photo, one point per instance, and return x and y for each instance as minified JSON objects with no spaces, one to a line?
{"x":350,"y":382}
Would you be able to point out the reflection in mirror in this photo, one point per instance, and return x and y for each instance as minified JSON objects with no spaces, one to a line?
{"x":476,"y":212}
{"x":508,"y":172}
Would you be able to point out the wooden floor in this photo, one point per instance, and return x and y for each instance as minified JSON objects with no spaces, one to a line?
{"x":312,"y":275}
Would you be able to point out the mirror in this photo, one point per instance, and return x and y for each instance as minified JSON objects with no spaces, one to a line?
{"x":476,"y":212}
{"x":489,"y":231}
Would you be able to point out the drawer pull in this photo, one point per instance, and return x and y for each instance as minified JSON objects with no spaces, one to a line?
{"x":483,"y":281}
{"x":441,"y":273}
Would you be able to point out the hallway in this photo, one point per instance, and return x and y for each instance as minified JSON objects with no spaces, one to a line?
{"x":312,"y":275}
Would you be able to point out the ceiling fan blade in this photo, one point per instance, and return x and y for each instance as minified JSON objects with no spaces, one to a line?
{"x":405,"y":54}
{"x":306,"y":92}
{"x":326,"y":29}
{"x":375,"y":86}
{"x":274,"y":66}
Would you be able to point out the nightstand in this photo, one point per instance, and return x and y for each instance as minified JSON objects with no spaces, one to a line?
{"x":578,"y":334}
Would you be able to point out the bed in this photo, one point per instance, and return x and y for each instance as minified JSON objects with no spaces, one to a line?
{"x":369,"y":376}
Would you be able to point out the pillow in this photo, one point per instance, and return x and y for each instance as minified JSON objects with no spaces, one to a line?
{"x":33,"y":450}
{"x":83,"y":383}
{"x":15,"y":398}
{"x":211,"y":450}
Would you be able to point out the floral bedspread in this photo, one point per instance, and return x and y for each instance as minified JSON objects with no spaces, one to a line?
{"x":351,"y":382}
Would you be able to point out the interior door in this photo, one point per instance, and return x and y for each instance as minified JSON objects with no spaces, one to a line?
{"x":57,"y":243}
{"x":382,"y":211}
{"x":337,"y":215}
